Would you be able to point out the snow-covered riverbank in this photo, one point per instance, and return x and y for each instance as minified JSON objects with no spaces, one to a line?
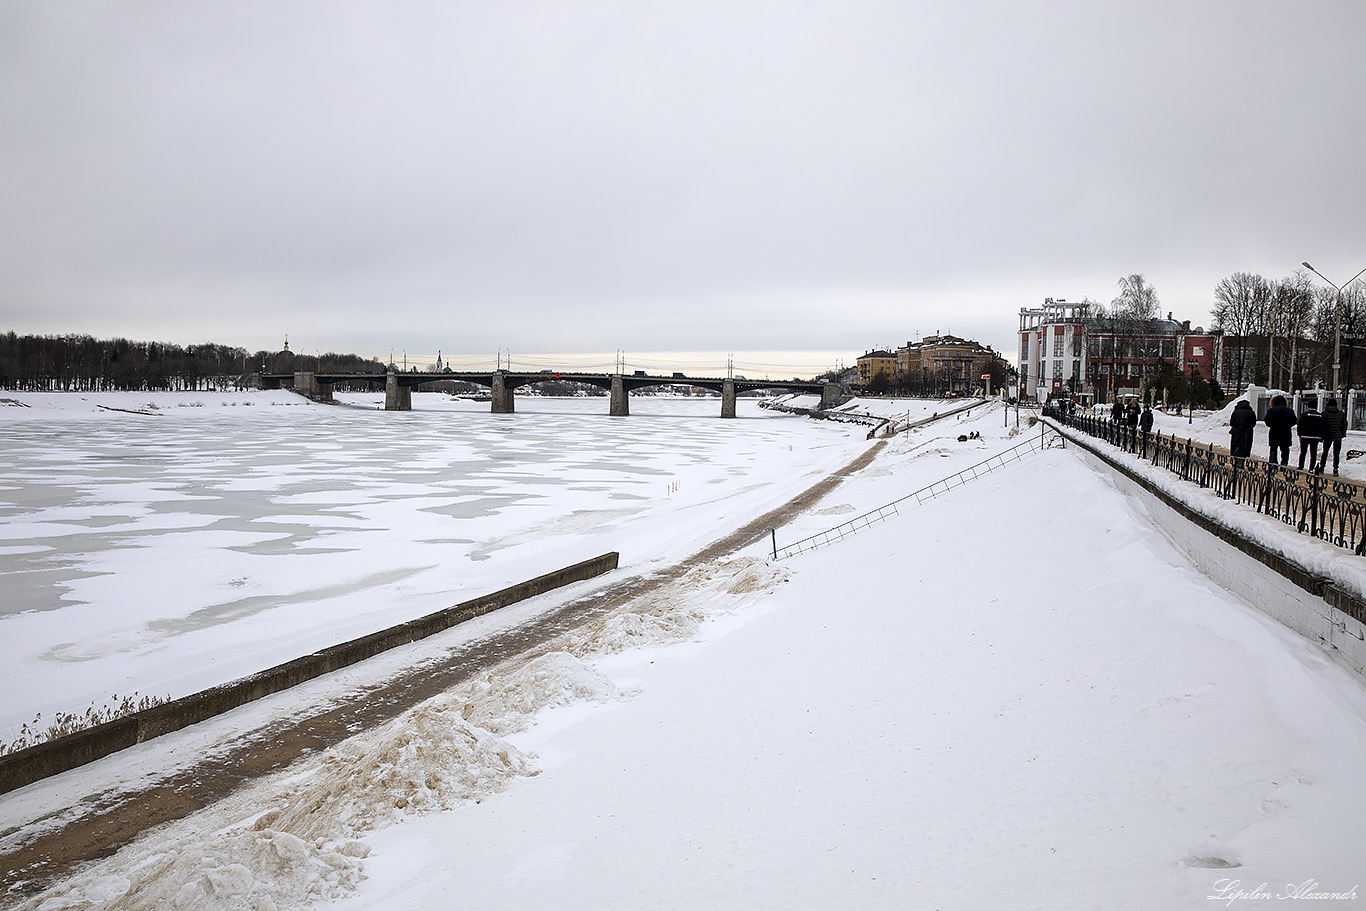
{"x":1017,"y":696}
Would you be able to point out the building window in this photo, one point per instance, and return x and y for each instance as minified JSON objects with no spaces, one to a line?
{"x":1197,"y":351}
{"x":1024,"y":349}
{"x":1057,"y":345}
{"x":1057,"y":370}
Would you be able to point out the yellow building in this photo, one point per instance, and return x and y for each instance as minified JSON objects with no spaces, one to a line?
{"x":944,"y":363}
{"x":875,"y":362}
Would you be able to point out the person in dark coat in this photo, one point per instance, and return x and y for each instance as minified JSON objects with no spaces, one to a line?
{"x":1241,"y":425}
{"x":1310,"y":429}
{"x":1131,"y":423}
{"x":1280,"y":418}
{"x":1145,"y":425}
{"x":1117,"y":412}
{"x":1334,"y":429}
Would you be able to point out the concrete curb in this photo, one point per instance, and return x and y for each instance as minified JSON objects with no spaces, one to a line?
{"x":54,"y":756}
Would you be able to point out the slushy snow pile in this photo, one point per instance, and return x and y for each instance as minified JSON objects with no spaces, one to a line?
{"x":299,"y":836}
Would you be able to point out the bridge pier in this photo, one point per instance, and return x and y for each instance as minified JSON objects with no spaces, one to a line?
{"x":620,"y":406}
{"x":830,"y":395}
{"x":396,"y":397}
{"x":728,"y":398}
{"x":502,"y":396}
{"x":307,"y":384}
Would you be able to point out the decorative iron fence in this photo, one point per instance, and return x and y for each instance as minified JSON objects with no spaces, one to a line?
{"x":1329,"y":509}
{"x":929,"y":492}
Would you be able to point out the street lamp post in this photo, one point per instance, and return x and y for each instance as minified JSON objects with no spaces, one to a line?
{"x":1337,"y":320}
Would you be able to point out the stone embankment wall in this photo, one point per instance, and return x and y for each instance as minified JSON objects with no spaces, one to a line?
{"x":1289,"y":591}
{"x":54,"y":756}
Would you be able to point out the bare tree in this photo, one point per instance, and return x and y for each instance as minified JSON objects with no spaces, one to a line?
{"x":1134,"y":313}
{"x":1240,"y":308}
{"x":1292,"y":305}
{"x":1137,"y":300}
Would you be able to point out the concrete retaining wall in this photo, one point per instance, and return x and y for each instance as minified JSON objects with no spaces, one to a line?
{"x":1288,"y":593}
{"x":54,"y":756}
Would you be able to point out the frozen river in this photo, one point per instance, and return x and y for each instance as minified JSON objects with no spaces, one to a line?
{"x":218,"y":534}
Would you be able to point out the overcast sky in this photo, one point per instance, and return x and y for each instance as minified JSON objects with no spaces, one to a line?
{"x":660,"y":176}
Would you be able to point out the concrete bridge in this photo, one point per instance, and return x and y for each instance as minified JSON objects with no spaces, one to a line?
{"x":398,"y":387}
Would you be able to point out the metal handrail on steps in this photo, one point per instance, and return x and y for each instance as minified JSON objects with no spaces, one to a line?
{"x":929,"y":492}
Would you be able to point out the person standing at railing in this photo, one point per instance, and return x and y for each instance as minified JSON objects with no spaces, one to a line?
{"x":1241,"y":425}
{"x":1310,"y":430}
{"x":1334,"y":429}
{"x":1145,"y":426}
{"x":1280,"y":418}
{"x":1117,"y":412}
{"x":1131,"y":421}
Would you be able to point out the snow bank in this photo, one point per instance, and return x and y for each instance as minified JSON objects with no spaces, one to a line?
{"x":1316,"y":557}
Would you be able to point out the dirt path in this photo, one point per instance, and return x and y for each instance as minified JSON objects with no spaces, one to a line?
{"x":107,"y":821}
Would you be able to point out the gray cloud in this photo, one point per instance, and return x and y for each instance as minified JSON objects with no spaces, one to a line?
{"x":707,"y":176}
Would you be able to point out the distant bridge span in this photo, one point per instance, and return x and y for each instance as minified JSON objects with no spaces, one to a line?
{"x":398,"y":387}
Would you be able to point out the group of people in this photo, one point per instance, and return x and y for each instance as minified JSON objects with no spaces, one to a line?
{"x":1131,"y":416}
{"x":1139,"y":421}
{"x":1328,"y":428}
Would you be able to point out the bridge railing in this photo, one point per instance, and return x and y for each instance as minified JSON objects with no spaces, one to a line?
{"x":928,"y":492}
{"x":1322,"y":507}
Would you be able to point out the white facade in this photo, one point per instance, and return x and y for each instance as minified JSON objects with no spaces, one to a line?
{"x":1052,"y":342}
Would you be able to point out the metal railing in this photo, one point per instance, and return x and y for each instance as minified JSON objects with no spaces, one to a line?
{"x":1325,"y":508}
{"x":929,"y":492}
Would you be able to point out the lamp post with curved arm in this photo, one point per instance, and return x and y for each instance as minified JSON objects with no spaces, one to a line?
{"x":1337,"y":320}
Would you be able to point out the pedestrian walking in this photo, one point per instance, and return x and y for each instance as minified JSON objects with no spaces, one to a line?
{"x":1131,"y":422}
{"x":1241,"y":425}
{"x":1310,"y":429}
{"x":1334,"y":429}
{"x":1280,"y":418}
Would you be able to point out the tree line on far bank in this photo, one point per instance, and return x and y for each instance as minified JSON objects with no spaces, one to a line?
{"x":83,"y":363}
